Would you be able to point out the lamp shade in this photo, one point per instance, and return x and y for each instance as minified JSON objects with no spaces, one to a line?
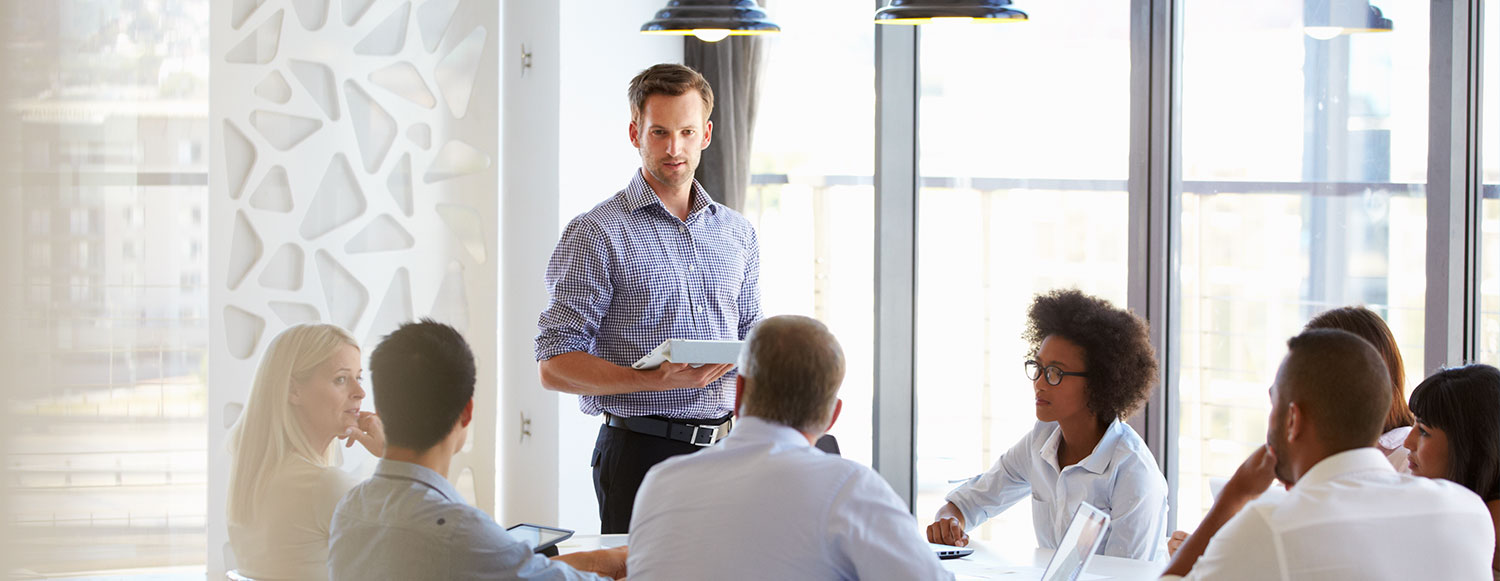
{"x":1327,"y":19}
{"x":710,"y":20}
{"x":921,"y":11}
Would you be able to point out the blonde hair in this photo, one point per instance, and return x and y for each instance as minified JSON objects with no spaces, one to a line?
{"x":267,"y":431}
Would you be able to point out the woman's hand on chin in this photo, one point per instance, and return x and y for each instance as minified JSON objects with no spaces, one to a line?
{"x":369,"y":432}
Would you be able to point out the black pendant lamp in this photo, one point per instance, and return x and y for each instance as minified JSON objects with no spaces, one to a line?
{"x":923,"y":11}
{"x":710,"y":20}
{"x":1328,"y":19}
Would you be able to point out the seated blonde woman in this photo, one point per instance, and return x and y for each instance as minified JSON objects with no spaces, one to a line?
{"x":284,"y":480}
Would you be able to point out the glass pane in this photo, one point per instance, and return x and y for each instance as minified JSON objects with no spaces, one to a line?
{"x":1489,"y":253}
{"x":108,"y":455}
{"x":812,"y":200}
{"x":1304,"y":164}
{"x":1024,"y":158}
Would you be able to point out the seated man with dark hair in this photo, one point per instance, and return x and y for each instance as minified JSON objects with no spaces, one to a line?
{"x":766,"y":504}
{"x":1328,"y":404}
{"x":407,"y":521}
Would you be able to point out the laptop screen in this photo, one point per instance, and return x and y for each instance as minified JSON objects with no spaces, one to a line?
{"x":1078,"y":545}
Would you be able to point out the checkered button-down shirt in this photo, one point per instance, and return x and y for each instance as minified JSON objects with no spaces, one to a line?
{"x":628,"y":275}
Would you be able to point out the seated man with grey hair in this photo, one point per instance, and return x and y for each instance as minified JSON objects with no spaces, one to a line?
{"x":766,"y":504}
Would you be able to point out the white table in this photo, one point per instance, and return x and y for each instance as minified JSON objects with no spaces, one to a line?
{"x":987,"y":562}
{"x":996,"y":561}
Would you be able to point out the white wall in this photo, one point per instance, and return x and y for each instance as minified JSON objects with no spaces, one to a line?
{"x":354,"y":163}
{"x":567,"y":149}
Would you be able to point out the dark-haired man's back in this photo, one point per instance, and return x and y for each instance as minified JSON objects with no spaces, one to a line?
{"x":407,"y":522}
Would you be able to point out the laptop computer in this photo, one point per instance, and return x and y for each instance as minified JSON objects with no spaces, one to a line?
{"x":1074,"y":552}
{"x":1078,"y":544}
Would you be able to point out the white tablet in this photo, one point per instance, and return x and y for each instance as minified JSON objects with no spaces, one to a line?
{"x":691,"y":351}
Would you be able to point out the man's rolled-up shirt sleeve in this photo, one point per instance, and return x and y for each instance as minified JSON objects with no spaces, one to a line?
{"x":750,"y":291}
{"x":579,"y":290}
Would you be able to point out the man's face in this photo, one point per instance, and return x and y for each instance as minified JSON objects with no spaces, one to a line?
{"x":1276,"y":429}
{"x":671,"y":136}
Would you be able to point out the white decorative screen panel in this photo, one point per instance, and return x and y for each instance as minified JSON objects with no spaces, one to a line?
{"x":354,"y":181}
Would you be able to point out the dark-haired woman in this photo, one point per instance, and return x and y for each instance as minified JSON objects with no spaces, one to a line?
{"x":1091,"y":365}
{"x":1370,"y":327}
{"x":1457,"y":436}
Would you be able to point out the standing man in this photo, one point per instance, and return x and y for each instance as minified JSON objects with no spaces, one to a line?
{"x":659,"y":260}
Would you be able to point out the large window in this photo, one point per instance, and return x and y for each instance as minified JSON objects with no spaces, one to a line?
{"x":107,"y":459}
{"x":1024,"y":154}
{"x":1489,"y":255}
{"x":812,"y":194}
{"x":1303,"y":167}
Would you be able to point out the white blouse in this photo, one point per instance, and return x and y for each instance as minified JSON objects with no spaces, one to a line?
{"x":1119,"y":477}
{"x":288,"y":537}
{"x":1392,"y":444}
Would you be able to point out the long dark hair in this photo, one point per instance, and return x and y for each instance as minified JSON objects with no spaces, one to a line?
{"x":1464,"y":402}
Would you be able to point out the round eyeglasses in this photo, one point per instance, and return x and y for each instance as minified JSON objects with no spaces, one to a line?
{"x":1054,"y":374}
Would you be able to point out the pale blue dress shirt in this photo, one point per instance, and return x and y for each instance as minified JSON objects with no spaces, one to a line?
{"x":628,"y":275}
{"x":1120,"y":477}
{"x":408,"y":522}
{"x":765,"y":504}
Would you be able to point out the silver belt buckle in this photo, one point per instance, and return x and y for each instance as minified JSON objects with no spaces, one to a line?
{"x":713,"y":435}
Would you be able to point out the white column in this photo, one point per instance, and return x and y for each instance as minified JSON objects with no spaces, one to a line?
{"x":566,"y":149}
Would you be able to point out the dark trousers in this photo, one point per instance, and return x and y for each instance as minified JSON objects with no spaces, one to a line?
{"x":621,"y":459}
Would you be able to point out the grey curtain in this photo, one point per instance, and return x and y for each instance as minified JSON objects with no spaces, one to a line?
{"x":732,"y":67}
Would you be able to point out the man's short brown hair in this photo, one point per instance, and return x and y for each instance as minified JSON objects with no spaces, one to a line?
{"x":793,"y":367}
{"x":1340,"y":384}
{"x":668,"y":79}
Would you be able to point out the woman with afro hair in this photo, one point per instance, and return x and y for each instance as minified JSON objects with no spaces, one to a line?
{"x":1091,"y":365}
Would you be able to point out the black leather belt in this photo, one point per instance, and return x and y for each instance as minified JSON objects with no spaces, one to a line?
{"x":695,"y":432}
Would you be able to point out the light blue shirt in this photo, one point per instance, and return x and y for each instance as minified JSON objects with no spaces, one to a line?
{"x":765,"y":504}
{"x":408,"y":522}
{"x":1119,"y":477}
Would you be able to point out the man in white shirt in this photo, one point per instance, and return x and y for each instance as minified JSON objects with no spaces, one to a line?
{"x":766,"y":504}
{"x":1348,"y":514}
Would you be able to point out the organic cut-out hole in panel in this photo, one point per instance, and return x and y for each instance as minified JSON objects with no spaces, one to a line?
{"x":273,"y":88}
{"x":284,"y":270}
{"x":242,"y":331}
{"x":452,"y":303}
{"x":375,"y":129}
{"x":387,"y":38}
{"x":457,"y":71}
{"x":394,"y":309}
{"x":313,"y":14}
{"x":260,"y":46}
{"x":399,"y":184}
{"x":403,"y":80}
{"x":293,"y":313}
{"x":455,"y":159}
{"x":274,"y":193}
{"x":245,"y":249}
{"x":345,"y":297}
{"x":317,"y":80}
{"x":383,"y":234}
{"x":433,"y":17}
{"x":338,"y":201}
{"x":239,"y":159}
{"x":283,"y":131}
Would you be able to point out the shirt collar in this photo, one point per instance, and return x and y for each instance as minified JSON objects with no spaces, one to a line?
{"x":407,"y":471}
{"x":640,"y":195}
{"x":1098,"y":460}
{"x":1342,"y":463}
{"x":751,"y":430}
